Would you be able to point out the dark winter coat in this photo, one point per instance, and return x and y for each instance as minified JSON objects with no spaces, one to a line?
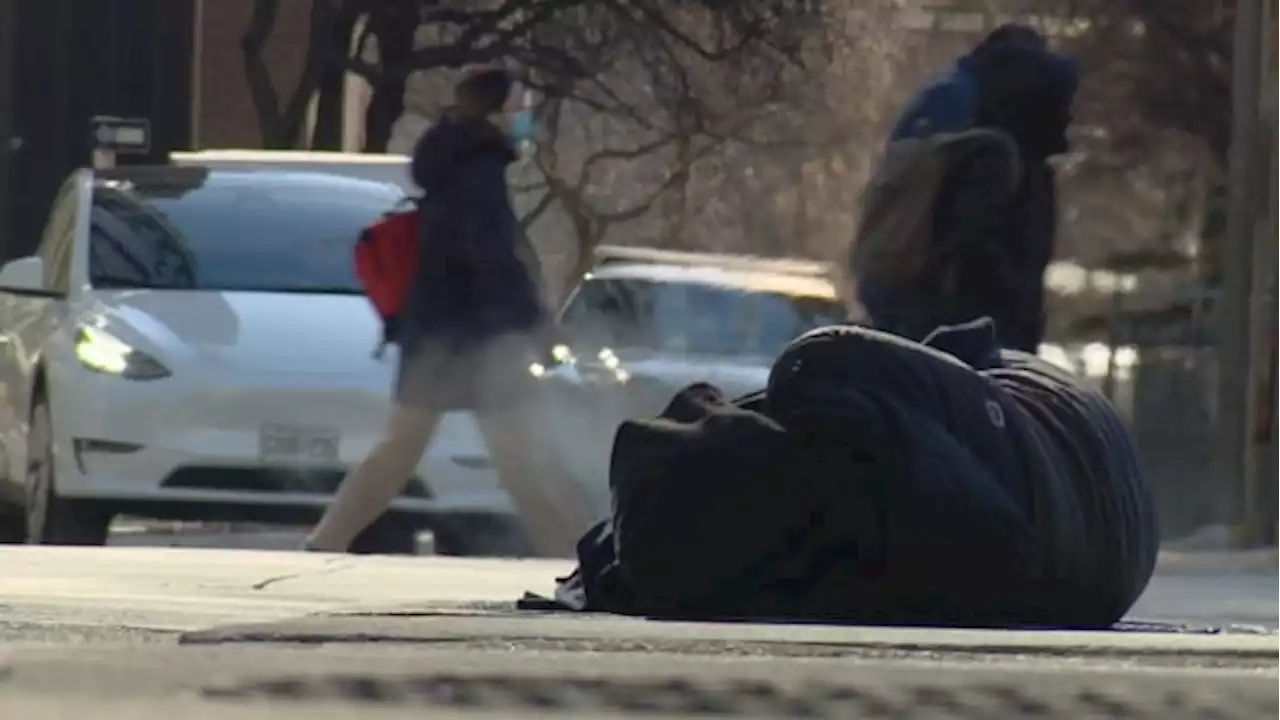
{"x":469,"y":328}
{"x":472,"y":284}
{"x":949,"y":102}
{"x":879,"y":480}
{"x":998,"y":248}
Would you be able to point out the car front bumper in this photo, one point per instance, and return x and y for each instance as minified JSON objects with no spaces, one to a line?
{"x":198,"y":440}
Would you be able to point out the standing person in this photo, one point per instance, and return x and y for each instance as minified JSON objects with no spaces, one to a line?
{"x":468,"y":331}
{"x":949,"y":102}
{"x":994,"y":216}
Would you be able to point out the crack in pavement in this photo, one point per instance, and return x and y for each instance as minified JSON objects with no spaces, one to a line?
{"x":330,"y":567}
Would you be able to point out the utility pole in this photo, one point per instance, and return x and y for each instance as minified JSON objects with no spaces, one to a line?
{"x":197,"y":64}
{"x":1270,"y":492}
{"x":9,"y":142}
{"x":1235,"y":459}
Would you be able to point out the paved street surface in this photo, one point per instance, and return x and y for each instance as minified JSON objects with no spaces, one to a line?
{"x":137,"y":532}
{"x":147,"y":632}
{"x":143,"y":532}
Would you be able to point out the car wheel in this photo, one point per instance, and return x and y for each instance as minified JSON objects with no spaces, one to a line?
{"x":386,"y":536}
{"x":13,"y":526}
{"x":482,"y":538}
{"x":50,"y":519}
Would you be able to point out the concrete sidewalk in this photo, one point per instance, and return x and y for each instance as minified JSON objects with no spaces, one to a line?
{"x":185,"y":589}
{"x":1201,"y":562}
{"x":1177,"y":557}
{"x":481,"y":629}
{"x":285,"y":635}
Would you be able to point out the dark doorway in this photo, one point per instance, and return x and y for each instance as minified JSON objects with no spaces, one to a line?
{"x":65,"y":61}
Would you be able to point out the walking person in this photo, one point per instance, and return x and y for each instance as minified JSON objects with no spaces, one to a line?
{"x":992,"y":224}
{"x":469,"y":329}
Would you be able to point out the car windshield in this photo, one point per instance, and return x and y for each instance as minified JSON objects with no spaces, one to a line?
{"x":235,"y":232}
{"x":691,"y":318}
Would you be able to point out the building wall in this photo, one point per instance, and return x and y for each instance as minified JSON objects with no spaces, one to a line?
{"x":65,"y":62}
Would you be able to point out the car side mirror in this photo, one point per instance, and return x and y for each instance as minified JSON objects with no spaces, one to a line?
{"x":26,"y":274}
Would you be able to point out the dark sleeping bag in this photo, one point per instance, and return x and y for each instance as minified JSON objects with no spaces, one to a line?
{"x":878,"y":480}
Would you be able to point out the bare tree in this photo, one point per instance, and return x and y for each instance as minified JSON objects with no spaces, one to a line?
{"x":745,"y":126}
{"x":282,"y":124}
{"x":1158,"y":90}
{"x":788,"y":183}
{"x":331,"y":91}
{"x":597,"y":186}
{"x":652,"y":147}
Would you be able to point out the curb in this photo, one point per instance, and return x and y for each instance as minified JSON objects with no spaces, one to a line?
{"x":1244,"y":562}
{"x":616,"y":633}
{"x":226,"y":536}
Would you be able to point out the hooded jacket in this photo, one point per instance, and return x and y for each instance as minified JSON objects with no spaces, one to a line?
{"x":472,"y":284}
{"x":949,"y":102}
{"x":997,"y":249}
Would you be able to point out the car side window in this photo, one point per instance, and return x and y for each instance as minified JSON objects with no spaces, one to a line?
{"x":714,"y":320}
{"x":778,"y":322}
{"x":58,"y":241}
{"x":575,"y":313}
{"x":783,"y":318}
{"x":610,"y":313}
{"x":130,"y":246}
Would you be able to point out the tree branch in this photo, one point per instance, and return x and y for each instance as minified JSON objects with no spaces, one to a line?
{"x":261,"y":89}
{"x":282,"y":127}
{"x":531,"y":216}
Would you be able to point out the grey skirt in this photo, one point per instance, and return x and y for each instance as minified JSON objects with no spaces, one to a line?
{"x":483,"y":375}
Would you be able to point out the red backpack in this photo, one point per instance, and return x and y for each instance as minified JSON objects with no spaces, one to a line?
{"x":386,"y":258}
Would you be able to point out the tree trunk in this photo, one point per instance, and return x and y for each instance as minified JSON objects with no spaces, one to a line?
{"x":395,"y":34}
{"x":282,"y":128}
{"x":331,"y":93}
{"x":800,"y":219}
{"x":675,"y":206}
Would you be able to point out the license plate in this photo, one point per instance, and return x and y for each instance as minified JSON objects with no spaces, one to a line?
{"x":297,"y":445}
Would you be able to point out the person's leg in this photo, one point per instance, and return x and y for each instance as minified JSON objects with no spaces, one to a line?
{"x":368,"y":489}
{"x":554,"y":509}
{"x":388,"y":535}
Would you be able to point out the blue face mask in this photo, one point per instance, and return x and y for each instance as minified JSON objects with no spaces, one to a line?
{"x":521,"y":127}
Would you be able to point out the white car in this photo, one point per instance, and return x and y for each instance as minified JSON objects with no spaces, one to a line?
{"x":645,"y":323}
{"x":193,"y":343}
{"x":391,"y":169}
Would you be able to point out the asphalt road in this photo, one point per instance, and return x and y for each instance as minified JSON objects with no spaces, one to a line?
{"x":140,"y":532}
{"x":141,"y":632}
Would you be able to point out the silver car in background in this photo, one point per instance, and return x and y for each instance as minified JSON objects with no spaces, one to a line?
{"x":645,"y":323}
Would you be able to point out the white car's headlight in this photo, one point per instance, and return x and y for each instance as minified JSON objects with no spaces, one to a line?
{"x":558,"y":357}
{"x":102,"y":352}
{"x":563,"y":355}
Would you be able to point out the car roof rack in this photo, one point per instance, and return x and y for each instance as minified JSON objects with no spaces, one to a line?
{"x":615,"y":254}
